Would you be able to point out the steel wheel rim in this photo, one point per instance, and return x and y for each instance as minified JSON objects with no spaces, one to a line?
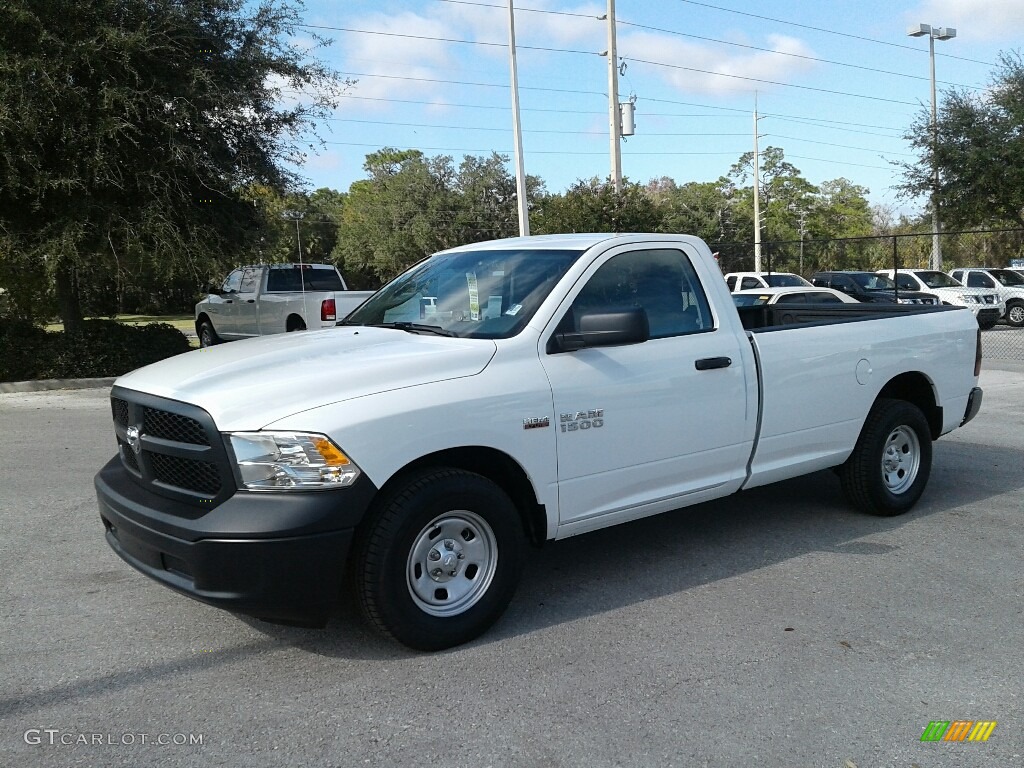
{"x":901,"y":459}
{"x":452,"y":563}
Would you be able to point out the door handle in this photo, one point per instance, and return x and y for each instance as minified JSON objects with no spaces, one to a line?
{"x":229,"y":301}
{"x":251,"y":301}
{"x":708,"y":363}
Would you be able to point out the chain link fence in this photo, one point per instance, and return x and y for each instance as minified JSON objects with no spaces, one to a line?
{"x":985,"y":248}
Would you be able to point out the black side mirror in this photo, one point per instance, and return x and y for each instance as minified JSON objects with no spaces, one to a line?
{"x":214,"y":289}
{"x":604,"y":329}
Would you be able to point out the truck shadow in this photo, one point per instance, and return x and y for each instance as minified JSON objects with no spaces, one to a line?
{"x":670,"y":553}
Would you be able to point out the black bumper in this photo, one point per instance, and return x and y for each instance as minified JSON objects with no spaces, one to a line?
{"x":278,"y":555}
{"x":973,"y":405}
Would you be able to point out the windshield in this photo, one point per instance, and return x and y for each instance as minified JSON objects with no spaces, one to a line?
{"x":750,"y":299}
{"x":938,"y":280}
{"x":471,"y":294}
{"x":785,"y":281}
{"x":870,"y":282}
{"x":1007,"y":277}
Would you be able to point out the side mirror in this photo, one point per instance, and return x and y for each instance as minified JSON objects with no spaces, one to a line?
{"x":604,"y":329}
{"x":214,"y":289}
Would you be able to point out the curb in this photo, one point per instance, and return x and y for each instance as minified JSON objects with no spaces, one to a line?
{"x":48,"y":384}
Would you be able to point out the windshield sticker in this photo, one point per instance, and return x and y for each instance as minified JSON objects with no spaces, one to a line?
{"x":474,"y":296}
{"x":514,"y":309}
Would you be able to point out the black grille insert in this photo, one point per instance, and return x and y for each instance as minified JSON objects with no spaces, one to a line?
{"x":192,"y":474}
{"x":128,"y":455}
{"x":120,"y":410}
{"x":173,"y":426}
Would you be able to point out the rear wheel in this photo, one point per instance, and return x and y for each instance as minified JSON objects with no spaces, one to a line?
{"x":1015,"y":314}
{"x":889,"y":467}
{"x":439,"y":559}
{"x":295,"y":323}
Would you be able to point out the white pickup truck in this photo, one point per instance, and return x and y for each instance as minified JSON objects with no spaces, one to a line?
{"x":262,"y":299}
{"x":506,"y":393}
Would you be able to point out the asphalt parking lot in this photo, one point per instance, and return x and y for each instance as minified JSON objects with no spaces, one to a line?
{"x":775,"y":628}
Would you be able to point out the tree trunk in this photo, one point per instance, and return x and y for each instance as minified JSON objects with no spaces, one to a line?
{"x":68,"y":301}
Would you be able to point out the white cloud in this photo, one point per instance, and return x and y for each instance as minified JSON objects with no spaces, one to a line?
{"x":973,"y":19}
{"x":714,"y":63}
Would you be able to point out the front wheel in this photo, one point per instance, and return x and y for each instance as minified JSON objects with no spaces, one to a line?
{"x":439,"y":559}
{"x":1015,"y":315}
{"x":889,"y":467}
{"x":207,"y":336}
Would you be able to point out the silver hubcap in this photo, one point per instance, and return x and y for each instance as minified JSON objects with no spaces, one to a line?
{"x":452,"y":563}
{"x":1016,"y":315}
{"x":901,"y":459}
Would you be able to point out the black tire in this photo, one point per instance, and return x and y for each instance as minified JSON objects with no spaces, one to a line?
{"x":987,"y":324}
{"x":207,"y":336}
{"x":417,"y":525}
{"x":1015,"y":314}
{"x":889,"y":467}
{"x":295,"y":323}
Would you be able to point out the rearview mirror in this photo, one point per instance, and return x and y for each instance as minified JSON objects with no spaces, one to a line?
{"x":604,"y":329}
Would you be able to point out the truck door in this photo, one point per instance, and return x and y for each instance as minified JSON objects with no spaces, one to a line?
{"x":643,"y":428}
{"x":247,"y":311}
{"x":222,"y":308}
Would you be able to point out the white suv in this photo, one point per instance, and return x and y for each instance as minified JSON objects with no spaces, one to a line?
{"x":1008,"y":283}
{"x":985,"y":304}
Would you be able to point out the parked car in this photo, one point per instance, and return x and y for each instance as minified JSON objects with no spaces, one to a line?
{"x":1006,"y":282}
{"x":871,"y":288}
{"x":741,"y":281}
{"x":262,"y":299}
{"x":562,"y":384}
{"x":800,"y":295}
{"x":985,"y":304}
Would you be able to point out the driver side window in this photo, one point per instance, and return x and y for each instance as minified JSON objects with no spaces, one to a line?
{"x":232,"y":282}
{"x":661,"y":282}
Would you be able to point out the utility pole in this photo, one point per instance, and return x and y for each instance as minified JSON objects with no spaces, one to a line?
{"x":522,"y":202}
{"x":613,"y":100}
{"x":757,"y":196}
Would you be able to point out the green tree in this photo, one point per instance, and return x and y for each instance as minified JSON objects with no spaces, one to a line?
{"x":594,"y":206}
{"x":979,"y":152}
{"x":129,"y":128}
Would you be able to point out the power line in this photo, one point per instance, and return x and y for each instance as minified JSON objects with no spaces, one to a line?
{"x":469,"y":106}
{"x":792,"y":55}
{"x":840,"y":162}
{"x":828,"y":31}
{"x":505,"y":130}
{"x":518,"y":9}
{"x":773,"y":82}
{"x":840,"y":146}
{"x":462,"y":82}
{"x":835,"y":127}
{"x":534,"y":152}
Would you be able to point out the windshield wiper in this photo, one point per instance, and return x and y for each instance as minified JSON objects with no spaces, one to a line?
{"x":415,"y":328}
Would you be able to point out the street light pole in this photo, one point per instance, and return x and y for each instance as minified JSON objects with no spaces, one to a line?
{"x":295,"y":216}
{"x":934,"y":33}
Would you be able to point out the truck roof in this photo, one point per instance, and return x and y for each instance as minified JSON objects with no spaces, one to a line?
{"x":573,"y":241}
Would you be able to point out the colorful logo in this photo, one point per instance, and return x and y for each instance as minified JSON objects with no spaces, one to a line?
{"x":958,"y":730}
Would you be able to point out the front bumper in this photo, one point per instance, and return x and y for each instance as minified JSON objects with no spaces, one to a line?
{"x":276,"y":555}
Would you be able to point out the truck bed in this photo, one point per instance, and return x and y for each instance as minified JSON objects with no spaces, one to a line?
{"x":774,"y":316}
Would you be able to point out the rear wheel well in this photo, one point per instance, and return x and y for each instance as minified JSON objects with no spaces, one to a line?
{"x":499,"y":468}
{"x":915,"y":388}
{"x":295,"y":323}
{"x":203,"y":318}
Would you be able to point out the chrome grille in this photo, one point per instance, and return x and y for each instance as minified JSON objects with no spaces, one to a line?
{"x":173,"y":426}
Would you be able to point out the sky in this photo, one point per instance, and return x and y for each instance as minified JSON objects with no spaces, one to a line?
{"x":836,"y":84}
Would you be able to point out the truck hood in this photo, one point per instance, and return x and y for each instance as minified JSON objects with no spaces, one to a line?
{"x":245,"y":385}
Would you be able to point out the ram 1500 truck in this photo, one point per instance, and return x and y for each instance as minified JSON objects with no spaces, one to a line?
{"x":501,"y":394}
{"x":274,"y":298}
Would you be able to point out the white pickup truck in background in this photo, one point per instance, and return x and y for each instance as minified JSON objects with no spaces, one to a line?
{"x":262,"y":299}
{"x":505,"y":393}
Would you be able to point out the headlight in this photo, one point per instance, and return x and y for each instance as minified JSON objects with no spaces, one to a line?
{"x":290,"y":461}
{"x":907,"y":301}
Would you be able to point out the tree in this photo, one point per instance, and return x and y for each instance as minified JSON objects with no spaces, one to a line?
{"x":129,"y":128}
{"x":595,"y":206}
{"x":979,"y":152}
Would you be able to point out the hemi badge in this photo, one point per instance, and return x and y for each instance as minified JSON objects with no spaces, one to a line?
{"x":544,"y":421}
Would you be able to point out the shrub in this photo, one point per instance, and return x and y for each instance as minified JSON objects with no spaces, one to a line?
{"x":103,"y":348}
